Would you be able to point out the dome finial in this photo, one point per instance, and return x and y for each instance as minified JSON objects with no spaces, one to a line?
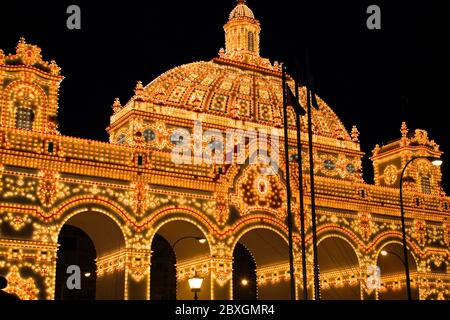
{"x":241,"y":1}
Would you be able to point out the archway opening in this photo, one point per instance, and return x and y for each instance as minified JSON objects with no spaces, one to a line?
{"x":181,"y":249}
{"x":339,"y":270}
{"x":163,"y":280}
{"x":271,"y":257}
{"x":244,"y":276}
{"x":393,"y":277}
{"x":87,"y":240}
{"x":76,"y":248}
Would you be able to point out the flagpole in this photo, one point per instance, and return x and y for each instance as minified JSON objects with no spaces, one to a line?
{"x":288,"y":186}
{"x":302,"y":206}
{"x":313,"y":200}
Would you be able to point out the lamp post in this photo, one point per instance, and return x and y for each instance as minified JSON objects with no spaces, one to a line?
{"x":436,"y":162}
{"x":195,"y":283}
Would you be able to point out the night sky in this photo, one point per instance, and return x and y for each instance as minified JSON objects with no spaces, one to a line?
{"x":372,"y":78}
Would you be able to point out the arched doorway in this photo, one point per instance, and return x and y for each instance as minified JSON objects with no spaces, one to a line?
{"x":339,"y":270}
{"x":163,"y":280}
{"x":76,"y":248}
{"x":244,"y":275}
{"x":271,"y":258}
{"x":181,"y":249}
{"x":393,"y":278}
{"x":103,"y":239}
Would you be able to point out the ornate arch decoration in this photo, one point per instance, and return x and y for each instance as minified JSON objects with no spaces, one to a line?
{"x":182,"y":214}
{"x":257,"y":221}
{"x":393,"y":236}
{"x":344,"y":235}
{"x":77,"y":204}
{"x":399,"y":242}
{"x":334,"y":230}
{"x":28,"y":94}
{"x":97,"y":209}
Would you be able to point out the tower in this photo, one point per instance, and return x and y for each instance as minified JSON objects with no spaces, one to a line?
{"x":242,"y":32}
{"x":28,"y":90}
{"x":421,"y":176}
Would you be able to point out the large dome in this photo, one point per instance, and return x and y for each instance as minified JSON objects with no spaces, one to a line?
{"x":228,"y":90}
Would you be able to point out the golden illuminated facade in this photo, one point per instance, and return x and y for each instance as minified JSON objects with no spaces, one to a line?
{"x":124,"y":192}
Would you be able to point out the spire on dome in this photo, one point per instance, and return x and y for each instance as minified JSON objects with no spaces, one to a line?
{"x":242,"y":30}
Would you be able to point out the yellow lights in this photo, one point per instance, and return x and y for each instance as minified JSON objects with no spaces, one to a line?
{"x":42,"y":188}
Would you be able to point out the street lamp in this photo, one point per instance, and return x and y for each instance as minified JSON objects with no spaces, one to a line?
{"x":200,"y":240}
{"x":385,"y":253}
{"x":436,"y":162}
{"x":244,"y":282}
{"x":195,"y":283}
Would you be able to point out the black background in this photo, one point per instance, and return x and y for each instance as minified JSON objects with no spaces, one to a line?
{"x":364,"y":75}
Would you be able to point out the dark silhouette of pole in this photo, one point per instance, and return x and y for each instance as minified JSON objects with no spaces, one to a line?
{"x":313,"y":201}
{"x":288,"y":186}
{"x":302,"y":205}
{"x":405,"y":249}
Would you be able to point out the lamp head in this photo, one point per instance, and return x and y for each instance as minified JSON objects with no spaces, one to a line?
{"x":384,"y":253}
{"x":195,"y":283}
{"x":435,"y":161}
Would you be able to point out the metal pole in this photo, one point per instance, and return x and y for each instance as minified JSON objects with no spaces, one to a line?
{"x":302,"y":206}
{"x":288,"y":186}
{"x":405,"y":250}
{"x":313,"y":201}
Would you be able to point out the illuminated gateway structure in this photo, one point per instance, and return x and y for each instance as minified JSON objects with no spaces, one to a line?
{"x":132,"y":203}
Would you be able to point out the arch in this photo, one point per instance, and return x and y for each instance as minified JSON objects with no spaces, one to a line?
{"x":389,"y":236}
{"x":91,"y":203}
{"x":182,"y":234}
{"x":75,"y":248}
{"x":334,"y":230}
{"x":269,"y":248}
{"x":107,"y":235}
{"x":392,"y":269}
{"x":179,"y":231}
{"x":339,"y":264}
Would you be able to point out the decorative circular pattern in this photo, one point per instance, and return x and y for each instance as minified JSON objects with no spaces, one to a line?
{"x":329,"y":165}
{"x":390,"y":174}
{"x":149,"y":135}
{"x":350,"y":168}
